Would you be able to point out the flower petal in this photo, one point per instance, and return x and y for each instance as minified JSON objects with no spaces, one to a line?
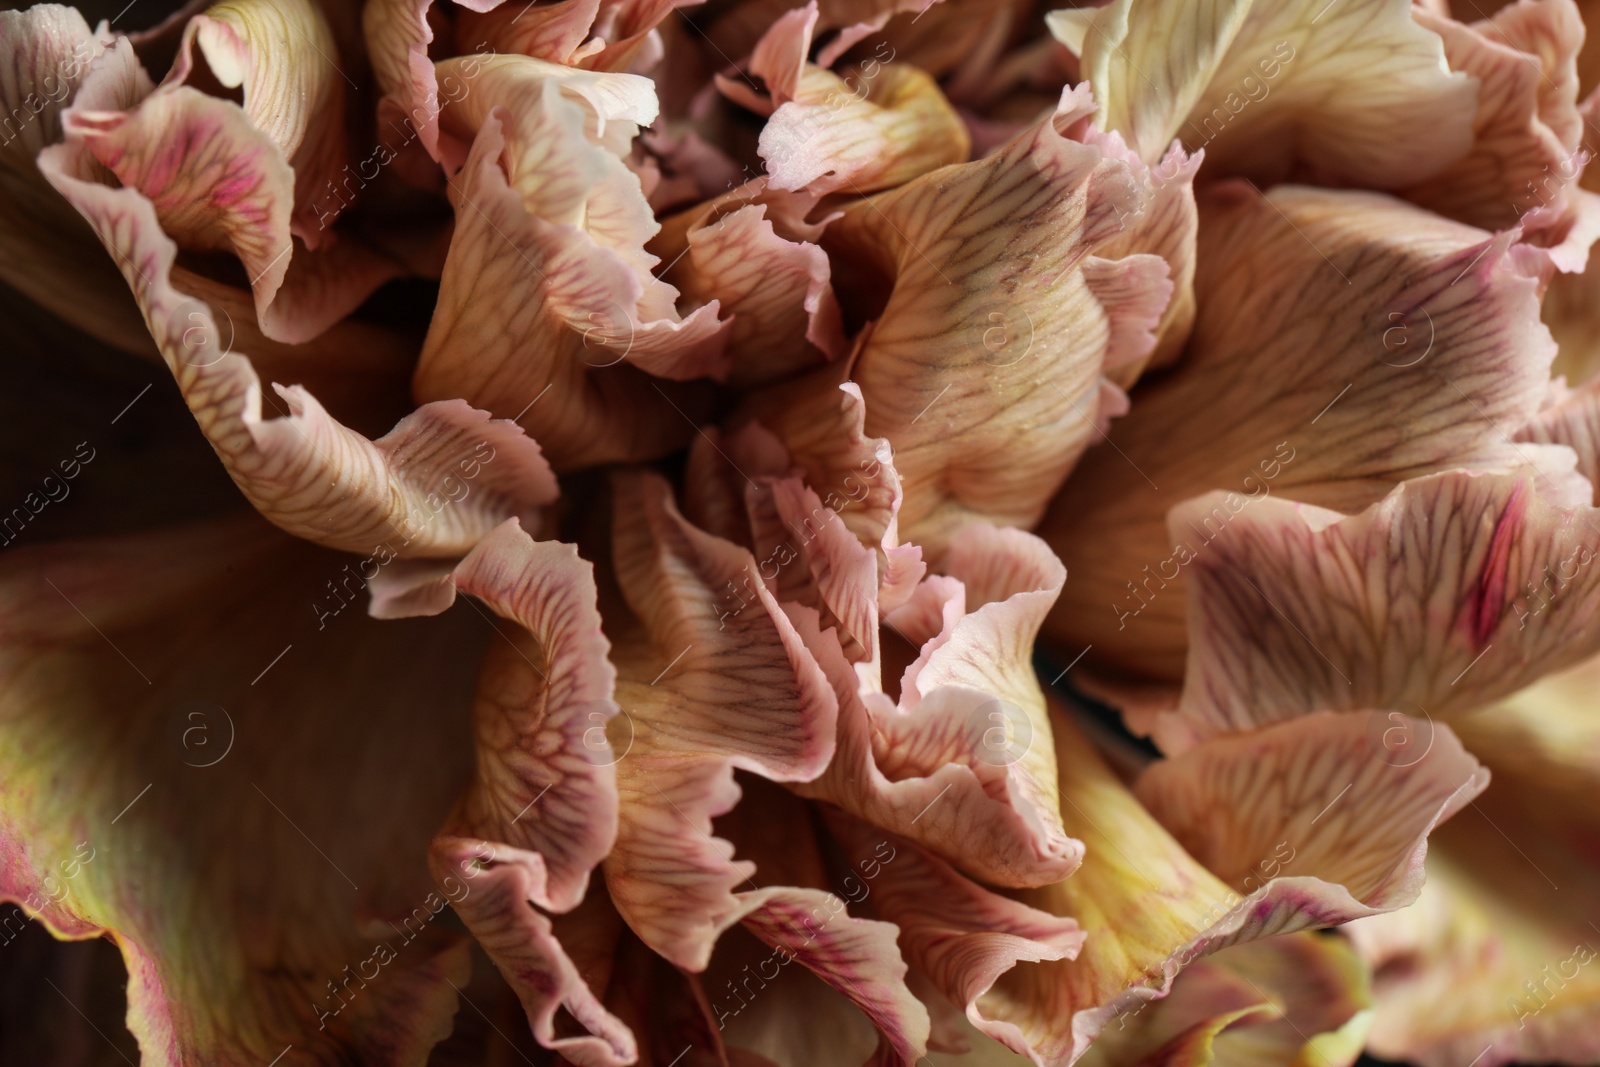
{"x":969,"y":742}
{"x":962,"y":936}
{"x":1572,"y":418}
{"x":1496,"y":953}
{"x":1350,"y":806}
{"x":46,"y":250}
{"x":1455,"y":589}
{"x":872,"y":127}
{"x":991,"y":322}
{"x":581,"y":310}
{"x":1354,"y":93}
{"x":541,"y":728}
{"x":857,"y":957}
{"x":1286,"y":999}
{"x":182,"y":740}
{"x":1525,"y":160}
{"x":499,"y":883}
{"x":1406,"y":312}
{"x":702,"y":694}
{"x":308,"y":473}
{"x":744,"y":252}
{"x":280,"y":53}
{"x":542,"y":811}
{"x":1149,"y":908}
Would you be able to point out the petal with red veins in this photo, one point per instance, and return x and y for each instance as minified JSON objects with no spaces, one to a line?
{"x":748,"y":252}
{"x":1454,"y":589}
{"x":281,"y":54}
{"x":824,"y":432}
{"x":969,"y":741}
{"x":498,"y":883}
{"x":1406,"y":312}
{"x":1333,"y":790}
{"x":216,"y":182}
{"x":441,"y":479}
{"x":398,"y":33}
{"x":545,"y":781}
{"x":181,"y":733}
{"x":1149,"y":909}
{"x":960,"y":935}
{"x":705,"y":691}
{"x":992,"y":324}
{"x":578,"y":323}
{"x":857,"y":957}
{"x":1275,"y":91}
{"x":1525,"y":160}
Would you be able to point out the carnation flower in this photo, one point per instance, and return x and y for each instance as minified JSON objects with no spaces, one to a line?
{"x":855,"y":532}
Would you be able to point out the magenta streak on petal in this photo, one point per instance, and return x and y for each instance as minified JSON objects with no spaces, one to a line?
{"x":1488,"y":592}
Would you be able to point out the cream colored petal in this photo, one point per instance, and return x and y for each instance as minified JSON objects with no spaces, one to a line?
{"x":959,"y":935}
{"x":742,"y":251}
{"x":557,"y":359}
{"x":705,"y":691}
{"x":1321,"y":315}
{"x":1349,"y":93}
{"x":1499,"y":953}
{"x":968,"y":743}
{"x":873,"y":127}
{"x":1526,"y":160}
{"x":983,"y":368}
{"x":1571,"y":417}
{"x":1150,"y":82}
{"x":1295,"y":998}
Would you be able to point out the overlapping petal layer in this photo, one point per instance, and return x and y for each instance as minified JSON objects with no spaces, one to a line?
{"x":752,"y":252}
{"x":47,"y":251}
{"x":1352,"y":93}
{"x":1497,"y":957}
{"x":1454,"y":590}
{"x":234,"y":790}
{"x":1149,"y":908}
{"x":1322,"y":315}
{"x":546,"y":209}
{"x":441,"y":479}
{"x":1001,"y":314}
